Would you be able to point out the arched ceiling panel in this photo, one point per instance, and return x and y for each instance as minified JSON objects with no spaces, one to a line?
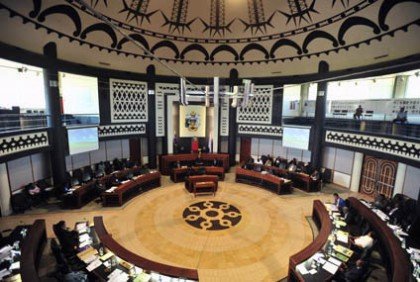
{"x":275,"y":37}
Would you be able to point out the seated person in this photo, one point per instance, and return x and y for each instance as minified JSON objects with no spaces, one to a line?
{"x":358,"y":112}
{"x":292,"y":165}
{"x":338,"y":201}
{"x":259,"y":161}
{"x":315,"y":175}
{"x":69,"y":239}
{"x":215,"y":162}
{"x":277,"y":162}
{"x":268,"y":162}
{"x":250,"y":160}
{"x":401,"y":116}
{"x":396,"y":214}
{"x":346,"y":214}
{"x":307,"y":168}
{"x":352,"y":273}
{"x":198,"y":161}
{"x":380,"y":202}
{"x":363,"y":242}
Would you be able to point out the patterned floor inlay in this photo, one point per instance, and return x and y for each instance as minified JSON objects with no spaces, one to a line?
{"x":212,"y":215}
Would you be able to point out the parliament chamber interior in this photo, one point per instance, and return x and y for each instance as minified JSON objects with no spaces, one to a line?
{"x":209,"y":140}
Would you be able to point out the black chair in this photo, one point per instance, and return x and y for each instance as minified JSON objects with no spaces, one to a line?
{"x":78,"y":174}
{"x":20,"y":202}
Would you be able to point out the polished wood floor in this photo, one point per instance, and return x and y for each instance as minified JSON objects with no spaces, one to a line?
{"x":257,"y":248}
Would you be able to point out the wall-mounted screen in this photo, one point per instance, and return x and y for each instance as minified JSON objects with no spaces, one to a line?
{"x":296,"y":137}
{"x":83,"y":140}
{"x":192,"y":121}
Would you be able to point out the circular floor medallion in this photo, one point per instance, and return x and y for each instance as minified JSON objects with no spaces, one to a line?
{"x":212,"y":215}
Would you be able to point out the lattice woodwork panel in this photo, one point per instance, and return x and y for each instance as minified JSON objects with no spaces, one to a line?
{"x":128,"y":101}
{"x":259,"y":109}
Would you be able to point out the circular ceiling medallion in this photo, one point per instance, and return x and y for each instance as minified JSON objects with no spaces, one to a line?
{"x":212,"y":215}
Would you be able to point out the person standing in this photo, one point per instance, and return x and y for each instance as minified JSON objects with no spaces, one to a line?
{"x":358,"y":113}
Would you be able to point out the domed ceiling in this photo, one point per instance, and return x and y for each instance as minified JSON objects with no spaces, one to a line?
{"x":210,"y":37}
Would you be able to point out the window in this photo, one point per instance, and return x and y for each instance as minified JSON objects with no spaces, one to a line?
{"x":313,"y":87}
{"x":361,"y":89}
{"x":291,"y":97}
{"x":80,"y":98}
{"x":22,"y":86}
{"x":413,"y":86}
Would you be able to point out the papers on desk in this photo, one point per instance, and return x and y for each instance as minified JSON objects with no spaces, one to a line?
{"x":125,"y":181}
{"x":341,"y":257}
{"x":381,"y":214}
{"x":143,"y":277}
{"x":88,"y":255}
{"x":112,"y":189}
{"x":4,"y":272}
{"x":118,"y":276}
{"x":340,"y":223}
{"x":343,"y":250}
{"x":334,"y":261}
{"x":84,"y":237}
{"x":5,"y":252}
{"x":93,"y":265}
{"x":302,"y":269}
{"x":367,"y":204}
{"x":15,"y":265}
{"x":331,"y":207}
{"x":107,"y":256}
{"x":312,"y":271}
{"x":330,"y":267}
{"x":343,"y":236}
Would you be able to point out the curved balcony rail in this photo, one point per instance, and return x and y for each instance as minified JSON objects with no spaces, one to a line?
{"x":380,"y":128}
{"x":14,"y":122}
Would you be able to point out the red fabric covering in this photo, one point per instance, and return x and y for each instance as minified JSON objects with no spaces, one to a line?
{"x":194,"y":146}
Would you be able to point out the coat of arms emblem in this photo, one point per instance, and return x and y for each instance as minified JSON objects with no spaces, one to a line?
{"x":192,"y":121}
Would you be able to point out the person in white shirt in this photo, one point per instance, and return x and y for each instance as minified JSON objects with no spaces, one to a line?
{"x":364,"y":242}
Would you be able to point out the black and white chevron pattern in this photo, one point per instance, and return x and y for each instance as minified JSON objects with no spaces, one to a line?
{"x":121,"y":130}
{"x":392,"y":146}
{"x":266,"y":130}
{"x":23,"y":142}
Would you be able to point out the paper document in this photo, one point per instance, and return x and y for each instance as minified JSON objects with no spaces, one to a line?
{"x":313,"y":271}
{"x":302,"y":269}
{"x":330,"y":267}
{"x":334,"y":261}
{"x":93,"y":265}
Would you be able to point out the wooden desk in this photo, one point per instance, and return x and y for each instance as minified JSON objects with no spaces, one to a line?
{"x":32,"y":247}
{"x":83,"y":195}
{"x":179,"y":174}
{"x":191,"y":180}
{"x":396,"y":257}
{"x":131,"y":188}
{"x":305,"y":182}
{"x":204,"y":188}
{"x":322,"y":219}
{"x":142,"y":262}
{"x":166,"y":161}
{"x":274,"y":183}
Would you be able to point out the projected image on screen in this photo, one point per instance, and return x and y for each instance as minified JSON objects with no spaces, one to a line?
{"x":83,"y":140}
{"x":294,"y":137}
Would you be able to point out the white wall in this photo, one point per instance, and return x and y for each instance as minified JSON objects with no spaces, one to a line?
{"x":108,"y":150}
{"x":28,"y":169}
{"x":341,"y":163}
{"x":412,"y":182}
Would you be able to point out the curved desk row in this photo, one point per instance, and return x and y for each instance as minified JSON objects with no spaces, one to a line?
{"x":131,"y":188}
{"x":23,"y":266}
{"x":322,"y":219}
{"x":139,"y":261}
{"x":87,"y":192}
{"x":166,"y":162}
{"x":274,"y":183}
{"x":397,"y":258}
{"x":398,"y":263}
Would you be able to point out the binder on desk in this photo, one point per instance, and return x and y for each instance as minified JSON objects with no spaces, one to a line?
{"x":343,"y":250}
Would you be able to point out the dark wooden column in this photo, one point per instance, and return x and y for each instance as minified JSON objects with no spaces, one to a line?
{"x":53,"y":107}
{"x":319,"y":121}
{"x":233,"y":80}
{"x":151,"y":124}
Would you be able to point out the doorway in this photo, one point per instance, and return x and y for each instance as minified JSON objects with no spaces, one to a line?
{"x":378,"y":176}
{"x":245,"y":149}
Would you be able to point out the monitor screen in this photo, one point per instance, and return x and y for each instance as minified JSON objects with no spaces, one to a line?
{"x":82,"y":140}
{"x":296,"y":137}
